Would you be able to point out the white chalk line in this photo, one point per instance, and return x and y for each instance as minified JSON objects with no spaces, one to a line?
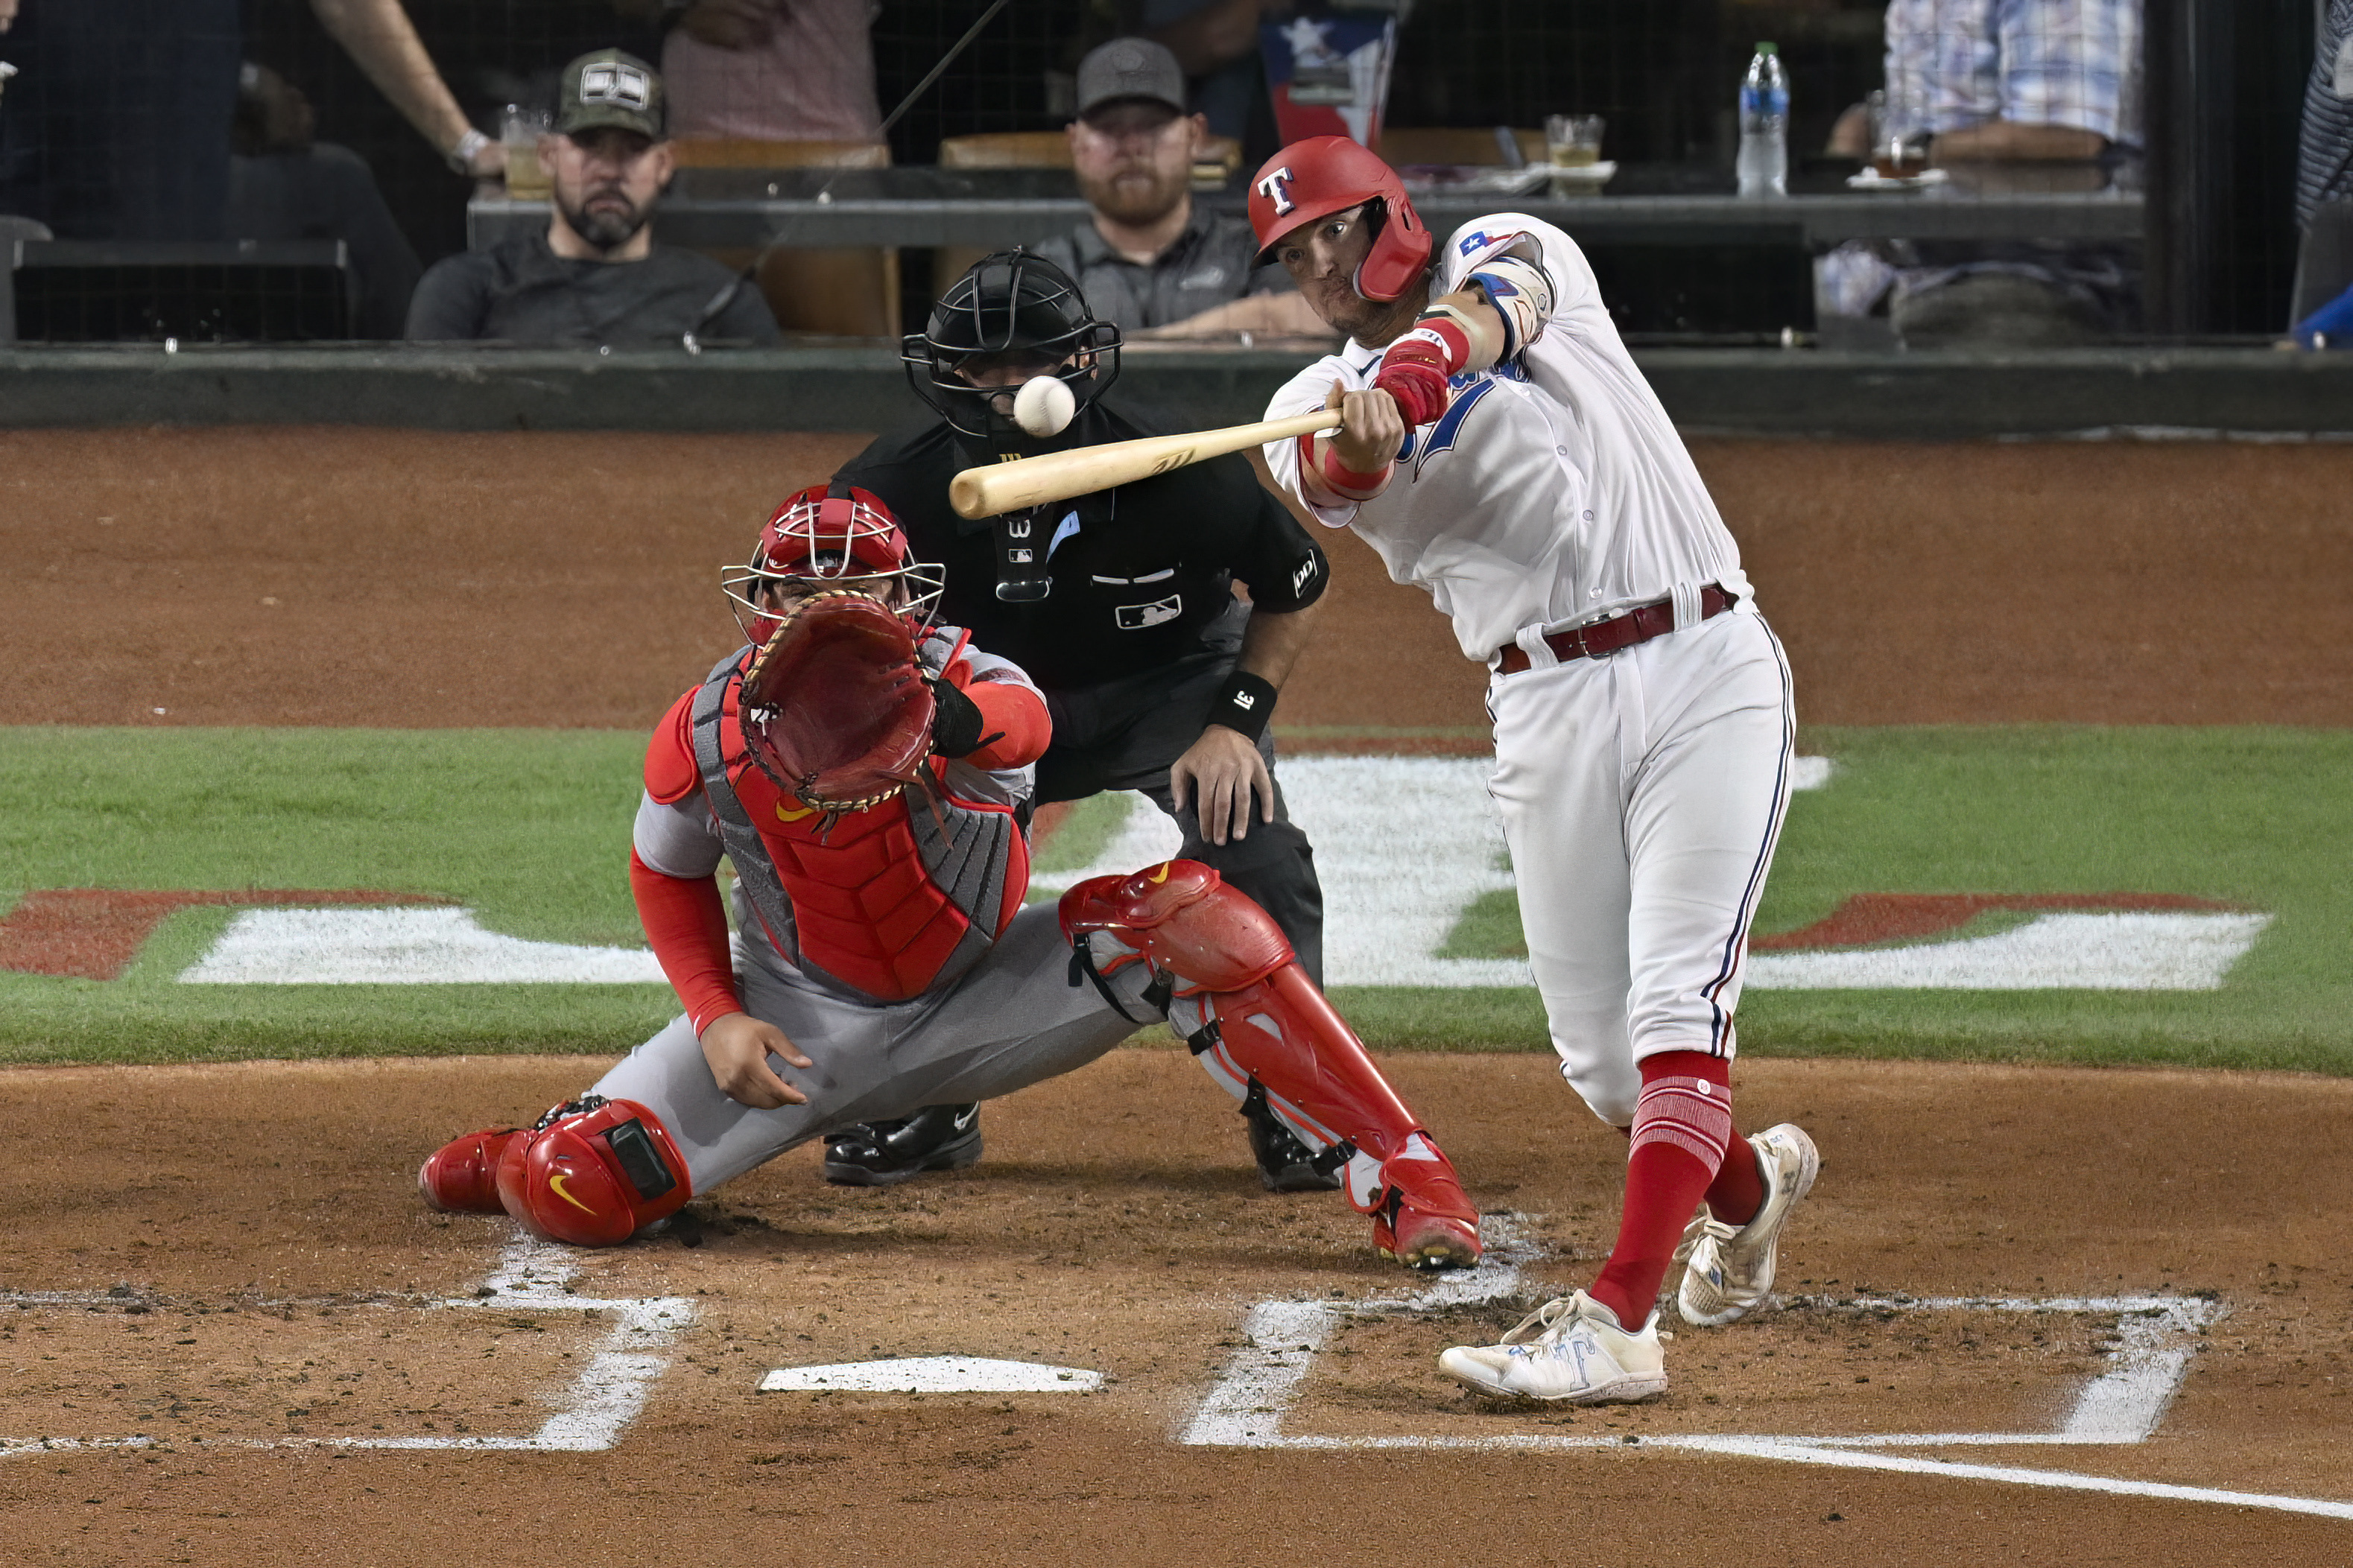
{"x":2120,"y":1405}
{"x":590,"y":1414}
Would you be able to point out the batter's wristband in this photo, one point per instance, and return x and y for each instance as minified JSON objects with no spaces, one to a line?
{"x":1245,"y":703}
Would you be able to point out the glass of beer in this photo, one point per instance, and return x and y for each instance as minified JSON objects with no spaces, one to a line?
{"x":1897,"y":151}
{"x":521,"y":130}
{"x":1573,"y":141}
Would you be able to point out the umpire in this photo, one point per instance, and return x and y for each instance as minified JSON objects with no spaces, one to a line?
{"x":1121,"y":606}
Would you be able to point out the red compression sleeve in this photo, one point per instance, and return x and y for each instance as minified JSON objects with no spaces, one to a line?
{"x":1010,"y":711}
{"x":1415,"y":368}
{"x":687,"y":923}
{"x":1322,"y":472}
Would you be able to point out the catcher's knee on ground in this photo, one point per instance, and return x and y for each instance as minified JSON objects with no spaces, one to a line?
{"x":593,"y":1173}
{"x":1231,"y":985}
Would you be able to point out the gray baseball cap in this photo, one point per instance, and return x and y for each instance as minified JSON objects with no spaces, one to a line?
{"x":611,"y":88}
{"x":1130,"y":68}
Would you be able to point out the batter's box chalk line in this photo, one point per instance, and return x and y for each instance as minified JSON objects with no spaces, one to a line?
{"x":2156,"y":1337}
{"x":531,"y":1276}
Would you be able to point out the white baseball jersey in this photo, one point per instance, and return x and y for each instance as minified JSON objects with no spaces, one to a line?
{"x":1553,"y":490}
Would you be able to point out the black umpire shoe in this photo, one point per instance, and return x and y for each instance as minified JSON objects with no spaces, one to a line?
{"x":884,"y":1153}
{"x":1285,"y":1165}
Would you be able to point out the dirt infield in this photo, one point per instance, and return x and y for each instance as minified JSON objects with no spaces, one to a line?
{"x":243,"y":1276}
{"x":223,"y":1299}
{"x":409,"y":578}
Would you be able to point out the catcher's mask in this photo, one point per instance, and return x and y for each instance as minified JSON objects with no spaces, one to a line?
{"x":817,"y":540}
{"x":1010,"y":307}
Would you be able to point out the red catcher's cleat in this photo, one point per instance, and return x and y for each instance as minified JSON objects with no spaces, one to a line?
{"x":1428,"y":1220}
{"x":462,"y":1175}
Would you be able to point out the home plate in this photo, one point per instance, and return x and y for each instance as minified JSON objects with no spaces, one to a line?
{"x":932,"y":1375}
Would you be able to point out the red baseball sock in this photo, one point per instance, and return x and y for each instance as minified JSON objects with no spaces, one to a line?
{"x":1739,"y":1190}
{"x":1681,"y":1126}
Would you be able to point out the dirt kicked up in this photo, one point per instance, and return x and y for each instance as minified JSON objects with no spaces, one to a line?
{"x":268,"y":1349}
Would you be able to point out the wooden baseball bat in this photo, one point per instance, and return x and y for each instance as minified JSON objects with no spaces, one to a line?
{"x":1058,"y":476}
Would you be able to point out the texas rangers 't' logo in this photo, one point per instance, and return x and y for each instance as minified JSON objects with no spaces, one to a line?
{"x":1276,"y":188}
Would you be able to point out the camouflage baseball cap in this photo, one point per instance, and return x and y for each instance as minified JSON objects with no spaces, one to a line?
{"x":611,"y":88}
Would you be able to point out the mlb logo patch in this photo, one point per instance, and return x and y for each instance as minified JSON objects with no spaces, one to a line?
{"x":1141,"y":617}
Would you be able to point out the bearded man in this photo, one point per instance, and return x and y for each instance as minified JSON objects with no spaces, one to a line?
{"x":596,"y":279}
{"x":1149,"y":259}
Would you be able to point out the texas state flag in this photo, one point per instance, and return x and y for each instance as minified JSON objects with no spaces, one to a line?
{"x":1329,"y":76}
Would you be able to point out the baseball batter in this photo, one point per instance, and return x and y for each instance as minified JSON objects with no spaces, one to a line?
{"x":888,"y":961}
{"x":1501,"y":450}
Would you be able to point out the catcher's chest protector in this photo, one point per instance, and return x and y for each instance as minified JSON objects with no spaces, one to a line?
{"x":890,"y":899}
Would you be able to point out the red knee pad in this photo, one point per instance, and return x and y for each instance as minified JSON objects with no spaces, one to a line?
{"x":1183,"y":917}
{"x":593,"y":1173}
{"x":462,"y":1175}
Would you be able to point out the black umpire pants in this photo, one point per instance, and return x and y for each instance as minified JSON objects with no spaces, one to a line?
{"x":1128,"y":733}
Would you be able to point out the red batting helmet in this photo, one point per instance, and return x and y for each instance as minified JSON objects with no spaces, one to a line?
{"x":817,"y":538}
{"x":1325,"y":174}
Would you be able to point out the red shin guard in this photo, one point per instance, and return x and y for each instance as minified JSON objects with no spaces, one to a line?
{"x":1682,"y":1124}
{"x":1256,"y":1017}
{"x":462,"y":1175}
{"x":593,"y":1172}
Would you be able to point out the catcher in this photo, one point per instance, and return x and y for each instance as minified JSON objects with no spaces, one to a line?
{"x":867,"y":773}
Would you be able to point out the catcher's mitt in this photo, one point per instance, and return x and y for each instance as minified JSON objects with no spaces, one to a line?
{"x":835,"y":707}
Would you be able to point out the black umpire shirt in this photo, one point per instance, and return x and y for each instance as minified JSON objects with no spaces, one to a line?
{"x":1141,"y":573}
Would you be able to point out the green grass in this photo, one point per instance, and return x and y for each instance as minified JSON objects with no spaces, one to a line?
{"x":2258,"y":818}
{"x":529,"y":829}
{"x":1081,"y":836}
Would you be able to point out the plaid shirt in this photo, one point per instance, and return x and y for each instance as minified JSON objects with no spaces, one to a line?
{"x":2325,"y":165}
{"x":1952,"y":64}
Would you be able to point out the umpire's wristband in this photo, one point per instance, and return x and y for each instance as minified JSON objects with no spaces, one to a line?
{"x":1245,"y":703}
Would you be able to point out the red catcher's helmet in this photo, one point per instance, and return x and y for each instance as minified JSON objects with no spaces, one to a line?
{"x":1325,"y":174}
{"x":820,"y":538}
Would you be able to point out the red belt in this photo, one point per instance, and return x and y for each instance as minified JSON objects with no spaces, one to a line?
{"x":1622,"y":630}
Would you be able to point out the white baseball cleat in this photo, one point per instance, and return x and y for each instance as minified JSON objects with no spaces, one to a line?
{"x":1572,"y":1350}
{"x":1728,"y":1269}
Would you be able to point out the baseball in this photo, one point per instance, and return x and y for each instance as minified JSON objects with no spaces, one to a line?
{"x":1044,"y":405}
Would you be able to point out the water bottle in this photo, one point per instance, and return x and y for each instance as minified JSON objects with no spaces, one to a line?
{"x":1764,"y":165}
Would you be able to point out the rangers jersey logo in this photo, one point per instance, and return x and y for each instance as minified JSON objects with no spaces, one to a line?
{"x":1276,"y":188}
{"x":1448,"y":427}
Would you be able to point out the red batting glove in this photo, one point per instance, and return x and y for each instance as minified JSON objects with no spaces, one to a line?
{"x":1413,"y":372}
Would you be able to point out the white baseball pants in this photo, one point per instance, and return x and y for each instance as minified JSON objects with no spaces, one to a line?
{"x":1641,"y":794}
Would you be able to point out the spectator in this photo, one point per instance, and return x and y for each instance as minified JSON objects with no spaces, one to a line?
{"x":594,"y":278}
{"x":2012,"y":94}
{"x":382,"y":42}
{"x":119,"y":126}
{"x":1216,"y":45}
{"x":775,"y":70}
{"x":1151,"y":259}
{"x":285,"y":185}
{"x":2325,"y":158}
